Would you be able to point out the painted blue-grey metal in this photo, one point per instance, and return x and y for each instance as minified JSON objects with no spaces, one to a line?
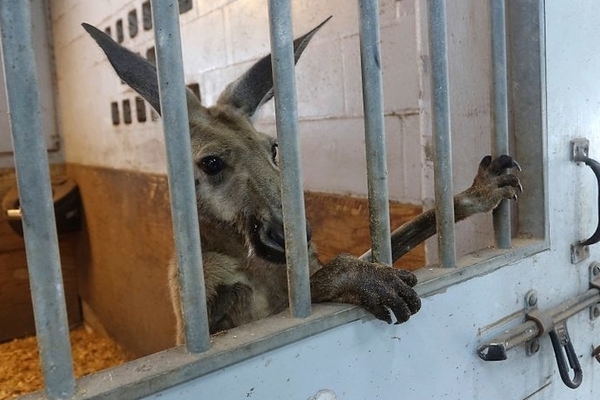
{"x":370,"y":57}
{"x":500,"y":112}
{"x":442,"y":137}
{"x":35,"y":192}
{"x":292,"y":196}
{"x":165,"y":15}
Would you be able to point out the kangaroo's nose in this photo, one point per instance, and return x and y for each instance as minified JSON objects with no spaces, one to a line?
{"x":277,"y":235}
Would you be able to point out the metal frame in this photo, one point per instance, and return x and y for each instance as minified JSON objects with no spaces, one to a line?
{"x":292,"y":195}
{"x":372,"y":86}
{"x":33,"y":177}
{"x":150,"y":374}
{"x":165,"y":16}
{"x":442,"y":136}
{"x":502,"y":220}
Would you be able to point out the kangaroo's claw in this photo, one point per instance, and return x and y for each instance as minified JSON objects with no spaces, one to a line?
{"x":490,"y":186}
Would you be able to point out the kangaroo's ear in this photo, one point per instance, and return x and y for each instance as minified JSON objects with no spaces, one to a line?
{"x":255,"y":86}
{"x":136,"y":71}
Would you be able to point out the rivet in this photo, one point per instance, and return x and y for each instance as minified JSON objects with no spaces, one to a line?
{"x":595,"y":268}
{"x":534,"y":346}
{"x":532,"y":299}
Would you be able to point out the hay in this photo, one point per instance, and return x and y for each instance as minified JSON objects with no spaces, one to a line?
{"x":20,"y":371}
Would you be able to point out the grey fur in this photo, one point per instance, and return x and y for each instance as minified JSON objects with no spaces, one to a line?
{"x":240,"y":212}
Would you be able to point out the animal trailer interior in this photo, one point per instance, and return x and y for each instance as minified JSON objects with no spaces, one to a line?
{"x":154,"y":199}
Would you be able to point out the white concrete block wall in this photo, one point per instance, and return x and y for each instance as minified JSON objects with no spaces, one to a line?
{"x":222,"y":38}
{"x":43,"y":56}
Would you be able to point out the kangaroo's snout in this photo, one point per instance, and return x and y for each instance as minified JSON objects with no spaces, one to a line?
{"x":268,"y":240}
{"x":277,"y":235}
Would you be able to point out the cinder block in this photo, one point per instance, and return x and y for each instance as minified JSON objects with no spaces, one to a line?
{"x":246,"y":30}
{"x":413,"y":158}
{"x":320,"y":80}
{"x":307,"y":14}
{"x":400,"y":65}
{"x":203,"y":44}
{"x":213,"y":82}
{"x":333,"y":156}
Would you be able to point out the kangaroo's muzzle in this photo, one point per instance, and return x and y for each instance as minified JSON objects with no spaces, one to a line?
{"x":268,"y":240}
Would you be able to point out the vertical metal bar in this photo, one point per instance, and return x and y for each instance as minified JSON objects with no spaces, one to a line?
{"x":286,"y":112}
{"x":35,"y":192}
{"x":526,"y":47}
{"x":370,"y":57}
{"x":165,"y":15}
{"x":500,"y":112}
{"x":442,"y":138}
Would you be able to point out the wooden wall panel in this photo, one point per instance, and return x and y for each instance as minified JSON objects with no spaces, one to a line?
{"x":340,"y":224}
{"x":16,"y":312}
{"x":123,"y":275}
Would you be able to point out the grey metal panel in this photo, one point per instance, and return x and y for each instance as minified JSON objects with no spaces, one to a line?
{"x":370,"y":56}
{"x":502,"y":221}
{"x":165,"y":15}
{"x":33,"y":177}
{"x":166,"y":369}
{"x":159,"y":371}
{"x":292,"y":195}
{"x":442,"y":137}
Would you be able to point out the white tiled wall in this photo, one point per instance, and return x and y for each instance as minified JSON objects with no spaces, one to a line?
{"x":222,"y":38}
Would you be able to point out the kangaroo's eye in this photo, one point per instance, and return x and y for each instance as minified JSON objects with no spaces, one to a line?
{"x":274,"y":153}
{"x":211,"y":165}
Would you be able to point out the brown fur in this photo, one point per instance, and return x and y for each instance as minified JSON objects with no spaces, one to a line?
{"x":239,"y":206}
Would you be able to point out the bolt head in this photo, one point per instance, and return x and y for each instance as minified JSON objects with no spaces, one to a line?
{"x":532,"y":299}
{"x":534,"y":346}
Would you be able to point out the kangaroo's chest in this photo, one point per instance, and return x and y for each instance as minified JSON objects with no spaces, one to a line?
{"x":257,"y":293}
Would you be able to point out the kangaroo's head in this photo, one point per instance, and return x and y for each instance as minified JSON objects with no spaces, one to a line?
{"x":235,"y":166}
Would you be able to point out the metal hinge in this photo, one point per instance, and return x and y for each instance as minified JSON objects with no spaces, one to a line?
{"x":553,"y":322}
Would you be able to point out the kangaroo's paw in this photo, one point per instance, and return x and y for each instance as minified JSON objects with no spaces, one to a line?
{"x":490,"y":186}
{"x":373,"y":286}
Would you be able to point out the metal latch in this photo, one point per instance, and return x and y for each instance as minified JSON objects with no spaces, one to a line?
{"x":579,"y":153}
{"x":553,"y":322}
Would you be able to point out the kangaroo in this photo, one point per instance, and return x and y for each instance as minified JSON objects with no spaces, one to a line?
{"x":238,"y":193}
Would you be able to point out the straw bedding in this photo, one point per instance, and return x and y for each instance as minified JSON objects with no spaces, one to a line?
{"x":20,"y":368}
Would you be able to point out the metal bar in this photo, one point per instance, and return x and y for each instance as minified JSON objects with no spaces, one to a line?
{"x":35,"y":193}
{"x":500,"y":112}
{"x":442,"y":137}
{"x":526,"y":47}
{"x":496,"y":349}
{"x":165,"y":15}
{"x":292,"y":195}
{"x":370,"y":57}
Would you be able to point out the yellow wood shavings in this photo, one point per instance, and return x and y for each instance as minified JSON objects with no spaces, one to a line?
{"x":20,"y":371}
